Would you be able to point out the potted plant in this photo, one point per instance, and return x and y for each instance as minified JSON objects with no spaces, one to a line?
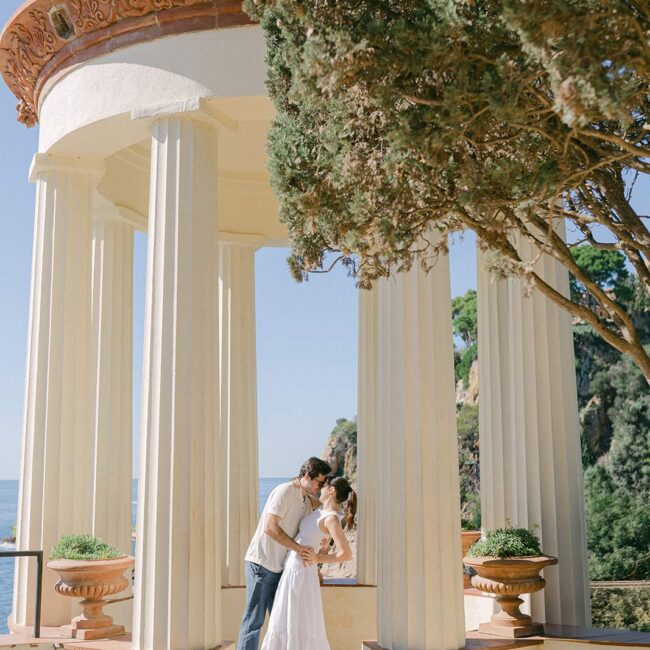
{"x":507,"y":563}
{"x":90,"y":569}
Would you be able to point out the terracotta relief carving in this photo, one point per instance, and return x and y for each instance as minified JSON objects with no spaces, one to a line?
{"x":31,"y":42}
{"x":24,"y":46}
{"x":89,"y":14}
{"x":139,"y":7}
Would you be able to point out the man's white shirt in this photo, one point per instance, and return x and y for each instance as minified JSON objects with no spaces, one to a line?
{"x":289,"y":503}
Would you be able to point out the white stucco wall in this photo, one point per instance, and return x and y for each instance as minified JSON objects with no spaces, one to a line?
{"x":101,"y":108}
{"x":225,"y":63}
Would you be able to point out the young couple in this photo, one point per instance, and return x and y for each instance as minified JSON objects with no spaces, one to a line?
{"x":281,"y":561}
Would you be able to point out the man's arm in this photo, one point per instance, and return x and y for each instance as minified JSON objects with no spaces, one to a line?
{"x":275,"y":531}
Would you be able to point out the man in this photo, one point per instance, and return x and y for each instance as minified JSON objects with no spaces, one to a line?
{"x":286,"y":506}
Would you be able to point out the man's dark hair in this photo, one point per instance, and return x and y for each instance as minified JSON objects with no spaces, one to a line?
{"x":313,"y":467}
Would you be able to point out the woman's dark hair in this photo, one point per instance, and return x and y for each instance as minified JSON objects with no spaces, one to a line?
{"x":345,"y":494}
{"x":314,"y":467}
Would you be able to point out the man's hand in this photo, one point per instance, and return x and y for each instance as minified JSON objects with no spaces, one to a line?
{"x":273,"y":529}
{"x":307,"y":555}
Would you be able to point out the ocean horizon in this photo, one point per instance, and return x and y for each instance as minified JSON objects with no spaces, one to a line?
{"x":8,"y":510}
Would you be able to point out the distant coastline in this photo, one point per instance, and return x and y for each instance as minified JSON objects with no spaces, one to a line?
{"x":8,"y":510}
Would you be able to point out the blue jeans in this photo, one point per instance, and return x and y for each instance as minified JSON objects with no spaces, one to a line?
{"x":261,"y":585}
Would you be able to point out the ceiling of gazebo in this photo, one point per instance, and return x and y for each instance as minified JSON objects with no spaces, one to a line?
{"x":246,"y":203}
{"x":47,"y":37}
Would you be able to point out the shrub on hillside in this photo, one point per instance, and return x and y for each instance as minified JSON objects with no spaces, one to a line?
{"x":469,"y":472}
{"x":463,"y":362}
{"x":628,"y":461}
{"x":618,"y":529}
{"x":621,"y":608}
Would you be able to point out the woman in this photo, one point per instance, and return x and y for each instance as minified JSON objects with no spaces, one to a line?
{"x":297,"y":621}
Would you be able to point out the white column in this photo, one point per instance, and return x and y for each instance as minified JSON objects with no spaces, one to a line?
{"x":420,"y":596}
{"x":55,"y":495}
{"x":112,"y":324}
{"x":178,"y":570}
{"x":238,"y":410}
{"x":502,"y":448}
{"x":367,"y":439}
{"x":531,"y":472}
{"x":112,"y":386}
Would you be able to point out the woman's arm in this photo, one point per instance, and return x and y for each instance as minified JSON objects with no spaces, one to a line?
{"x":343,"y":551}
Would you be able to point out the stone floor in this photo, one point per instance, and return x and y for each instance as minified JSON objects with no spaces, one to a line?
{"x":555,"y":633}
{"x":598,"y":635}
{"x":52,"y":638}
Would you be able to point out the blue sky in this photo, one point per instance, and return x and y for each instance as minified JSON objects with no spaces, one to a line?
{"x":307,"y":334}
{"x":17,"y":145}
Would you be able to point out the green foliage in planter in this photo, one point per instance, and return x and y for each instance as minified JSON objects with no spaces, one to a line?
{"x":82,"y":547}
{"x":507,"y":542}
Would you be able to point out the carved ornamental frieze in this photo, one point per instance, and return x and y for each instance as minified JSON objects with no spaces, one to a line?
{"x":45,"y":37}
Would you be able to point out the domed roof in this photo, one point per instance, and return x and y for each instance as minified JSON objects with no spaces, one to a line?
{"x":46,"y":37}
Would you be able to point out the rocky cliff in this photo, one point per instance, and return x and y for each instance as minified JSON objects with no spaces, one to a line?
{"x":341,"y":449}
{"x":341,"y":453}
{"x":469,"y":394}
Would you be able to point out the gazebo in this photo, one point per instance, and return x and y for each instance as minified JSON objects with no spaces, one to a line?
{"x":153,"y":116}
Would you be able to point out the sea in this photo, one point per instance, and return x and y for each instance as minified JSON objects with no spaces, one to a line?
{"x":8,"y":506}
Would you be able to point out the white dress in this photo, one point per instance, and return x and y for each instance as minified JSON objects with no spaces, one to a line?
{"x":297,"y":621}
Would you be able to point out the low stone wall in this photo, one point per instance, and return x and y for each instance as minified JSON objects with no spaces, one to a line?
{"x":350,"y":614}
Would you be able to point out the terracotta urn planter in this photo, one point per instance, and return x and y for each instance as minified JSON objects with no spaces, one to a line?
{"x":508,"y":579}
{"x":467,"y":538}
{"x":92,"y":580}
